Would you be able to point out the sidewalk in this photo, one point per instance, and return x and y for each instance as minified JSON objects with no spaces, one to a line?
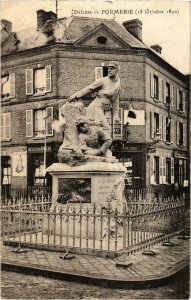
{"x":136,"y":270}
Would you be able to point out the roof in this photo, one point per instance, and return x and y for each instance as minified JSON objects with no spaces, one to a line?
{"x":68,"y":29}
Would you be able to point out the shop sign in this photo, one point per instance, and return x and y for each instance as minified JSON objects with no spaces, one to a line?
{"x":37,"y":149}
{"x":181,"y":154}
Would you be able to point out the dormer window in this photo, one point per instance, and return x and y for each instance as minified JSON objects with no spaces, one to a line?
{"x":102,"y":40}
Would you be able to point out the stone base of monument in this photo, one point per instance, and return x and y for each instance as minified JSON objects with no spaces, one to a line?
{"x":86,"y":186}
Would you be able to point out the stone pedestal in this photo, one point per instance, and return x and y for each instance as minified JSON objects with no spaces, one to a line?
{"x":100,"y":180}
{"x":100,"y":183}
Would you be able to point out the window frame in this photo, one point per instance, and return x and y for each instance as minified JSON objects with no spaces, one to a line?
{"x":32,"y":122}
{"x":30,"y":80}
{"x":4,"y":136}
{"x":11,"y":83}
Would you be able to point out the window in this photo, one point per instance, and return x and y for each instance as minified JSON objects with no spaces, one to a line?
{"x":168,"y":94}
{"x":39,"y":170}
{"x":8,"y":86}
{"x":39,"y":122}
{"x":6,"y":170}
{"x":101,"y":72}
{"x":38,"y":81}
{"x":180,"y":100}
{"x":5,"y":126}
{"x":102,"y":40}
{"x":156,"y":87}
{"x":181,"y":171}
{"x":156,"y":125}
{"x":181,"y":134}
{"x":156,"y":84}
{"x":133,"y":164}
{"x":154,"y":169}
{"x":168,"y":170}
{"x":156,"y":122}
{"x":161,"y":170}
{"x":168,"y":130}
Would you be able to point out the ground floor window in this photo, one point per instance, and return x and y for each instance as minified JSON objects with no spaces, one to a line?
{"x":181,"y":172}
{"x":36,"y":169}
{"x":134,"y":165}
{"x":168,"y":170}
{"x":161,"y":170}
{"x":5,"y":176}
{"x":6,"y":170}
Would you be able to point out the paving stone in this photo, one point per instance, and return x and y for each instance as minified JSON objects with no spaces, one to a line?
{"x":142,"y":267}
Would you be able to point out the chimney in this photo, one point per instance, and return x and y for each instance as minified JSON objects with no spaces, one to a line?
{"x":43,"y":16}
{"x":7,"y":25}
{"x":134,"y":27}
{"x":157,"y":48}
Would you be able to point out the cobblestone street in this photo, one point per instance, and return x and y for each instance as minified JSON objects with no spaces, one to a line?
{"x":22,"y":286}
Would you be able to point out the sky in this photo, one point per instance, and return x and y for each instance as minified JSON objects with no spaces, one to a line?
{"x":166,"y":22}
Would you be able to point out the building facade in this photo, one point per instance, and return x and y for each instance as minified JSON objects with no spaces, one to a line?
{"x":44,"y":65}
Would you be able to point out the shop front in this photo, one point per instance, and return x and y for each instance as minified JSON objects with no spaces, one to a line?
{"x":133,"y":158}
{"x":39,"y":158}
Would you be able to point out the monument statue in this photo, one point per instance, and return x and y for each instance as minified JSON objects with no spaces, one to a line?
{"x":107,"y":96}
{"x":87,"y":172}
{"x":83,"y":141}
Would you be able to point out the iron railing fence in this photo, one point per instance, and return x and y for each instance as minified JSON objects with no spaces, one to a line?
{"x":31,"y":198}
{"x":92,"y":229}
{"x":150,"y":194}
{"x":9,"y":195}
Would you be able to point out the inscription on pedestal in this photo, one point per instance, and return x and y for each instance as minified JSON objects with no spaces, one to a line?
{"x":104,"y":187}
{"x":74,"y":190}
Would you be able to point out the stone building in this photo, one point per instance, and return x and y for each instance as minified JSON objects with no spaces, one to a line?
{"x":48,"y":63}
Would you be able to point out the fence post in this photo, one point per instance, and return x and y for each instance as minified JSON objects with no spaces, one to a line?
{"x":124,"y":224}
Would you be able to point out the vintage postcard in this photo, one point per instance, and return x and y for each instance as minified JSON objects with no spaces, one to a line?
{"x":95,"y":144}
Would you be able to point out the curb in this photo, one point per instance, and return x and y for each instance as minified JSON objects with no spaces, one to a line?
{"x":151,"y":281}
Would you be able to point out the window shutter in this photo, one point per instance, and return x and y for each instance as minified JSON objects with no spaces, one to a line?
{"x":152,"y":84}
{"x":184,"y":101}
{"x":177,"y":133}
{"x":98,"y":72}
{"x":164,"y":170}
{"x":29,"y":123}
{"x":48,"y":78}
{"x":160,"y":170}
{"x":29,"y":81}
{"x":7,"y":126}
{"x":2,"y":126}
{"x":177,"y":99}
{"x":12,"y":85}
{"x":49,"y":119}
{"x":152,"y":177}
{"x":184,"y":134}
{"x":172,"y":131}
{"x":172,"y":169}
{"x":160,"y":89}
{"x":171,"y":95}
{"x":160,"y":127}
{"x":152,"y":124}
{"x":164,"y":128}
{"x":164,"y":89}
